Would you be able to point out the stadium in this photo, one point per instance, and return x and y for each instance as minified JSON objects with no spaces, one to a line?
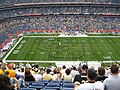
{"x":60,"y":32}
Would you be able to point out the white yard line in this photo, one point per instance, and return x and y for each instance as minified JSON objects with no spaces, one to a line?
{"x":12,"y":49}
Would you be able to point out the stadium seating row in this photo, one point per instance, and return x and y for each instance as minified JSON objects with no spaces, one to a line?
{"x":50,"y":85}
{"x":13,"y":2}
{"x":58,"y":10}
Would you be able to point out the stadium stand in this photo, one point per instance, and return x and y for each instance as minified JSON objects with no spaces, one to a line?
{"x":57,"y":9}
{"x":78,"y":22}
{"x":14,"y":2}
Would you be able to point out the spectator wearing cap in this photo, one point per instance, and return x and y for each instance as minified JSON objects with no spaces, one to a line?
{"x":47,"y":75}
{"x":91,"y":84}
{"x":28,"y":66}
{"x":11,"y":71}
{"x":112,"y":82}
{"x":37,"y":75}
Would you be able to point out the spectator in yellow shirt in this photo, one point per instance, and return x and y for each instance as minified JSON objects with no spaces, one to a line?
{"x":48,"y":76}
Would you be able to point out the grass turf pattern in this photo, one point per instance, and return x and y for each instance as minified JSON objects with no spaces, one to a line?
{"x":67,"y":49}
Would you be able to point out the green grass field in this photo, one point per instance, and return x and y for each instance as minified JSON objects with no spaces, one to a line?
{"x":67,"y":49}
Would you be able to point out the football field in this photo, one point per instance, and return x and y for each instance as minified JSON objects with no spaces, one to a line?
{"x":67,"y":49}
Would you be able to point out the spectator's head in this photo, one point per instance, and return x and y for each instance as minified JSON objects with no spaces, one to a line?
{"x":36,"y":65}
{"x":67,"y":71}
{"x":10,"y":66}
{"x":64,"y":67}
{"x":3,"y":68}
{"x":114,"y":69}
{"x":55,"y":71}
{"x":22,"y":69}
{"x":101,"y":71}
{"x":6,"y":73}
{"x":5,"y":82}
{"x":91,"y":74}
{"x":74,"y":68}
{"x":84,"y":67}
{"x":48,"y":71}
{"x":27,"y":72}
{"x":58,"y":70}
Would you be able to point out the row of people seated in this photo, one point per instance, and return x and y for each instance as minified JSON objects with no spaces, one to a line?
{"x":58,"y":10}
{"x":110,"y":83}
{"x":73,"y":22}
{"x":35,"y":74}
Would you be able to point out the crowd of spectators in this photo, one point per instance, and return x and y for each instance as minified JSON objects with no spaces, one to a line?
{"x":61,"y":22}
{"x":59,"y":10}
{"x":16,"y":75}
{"x":83,"y":23}
{"x":13,"y":2}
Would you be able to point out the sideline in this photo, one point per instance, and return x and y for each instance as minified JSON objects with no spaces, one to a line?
{"x":12,"y":49}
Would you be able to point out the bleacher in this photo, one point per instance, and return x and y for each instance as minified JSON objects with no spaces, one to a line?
{"x":13,"y":2}
{"x":49,"y":85}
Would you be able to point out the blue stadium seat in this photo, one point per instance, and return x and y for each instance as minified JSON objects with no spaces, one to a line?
{"x":66,"y":81}
{"x":55,"y":81}
{"x":28,"y":89}
{"x":67,"y":89}
{"x":68,"y":85}
{"x":48,"y":89}
{"x":45,"y":82}
{"x":37,"y":85}
{"x":52,"y":86}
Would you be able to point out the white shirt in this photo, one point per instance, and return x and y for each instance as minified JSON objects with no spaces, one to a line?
{"x":91,"y":86}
